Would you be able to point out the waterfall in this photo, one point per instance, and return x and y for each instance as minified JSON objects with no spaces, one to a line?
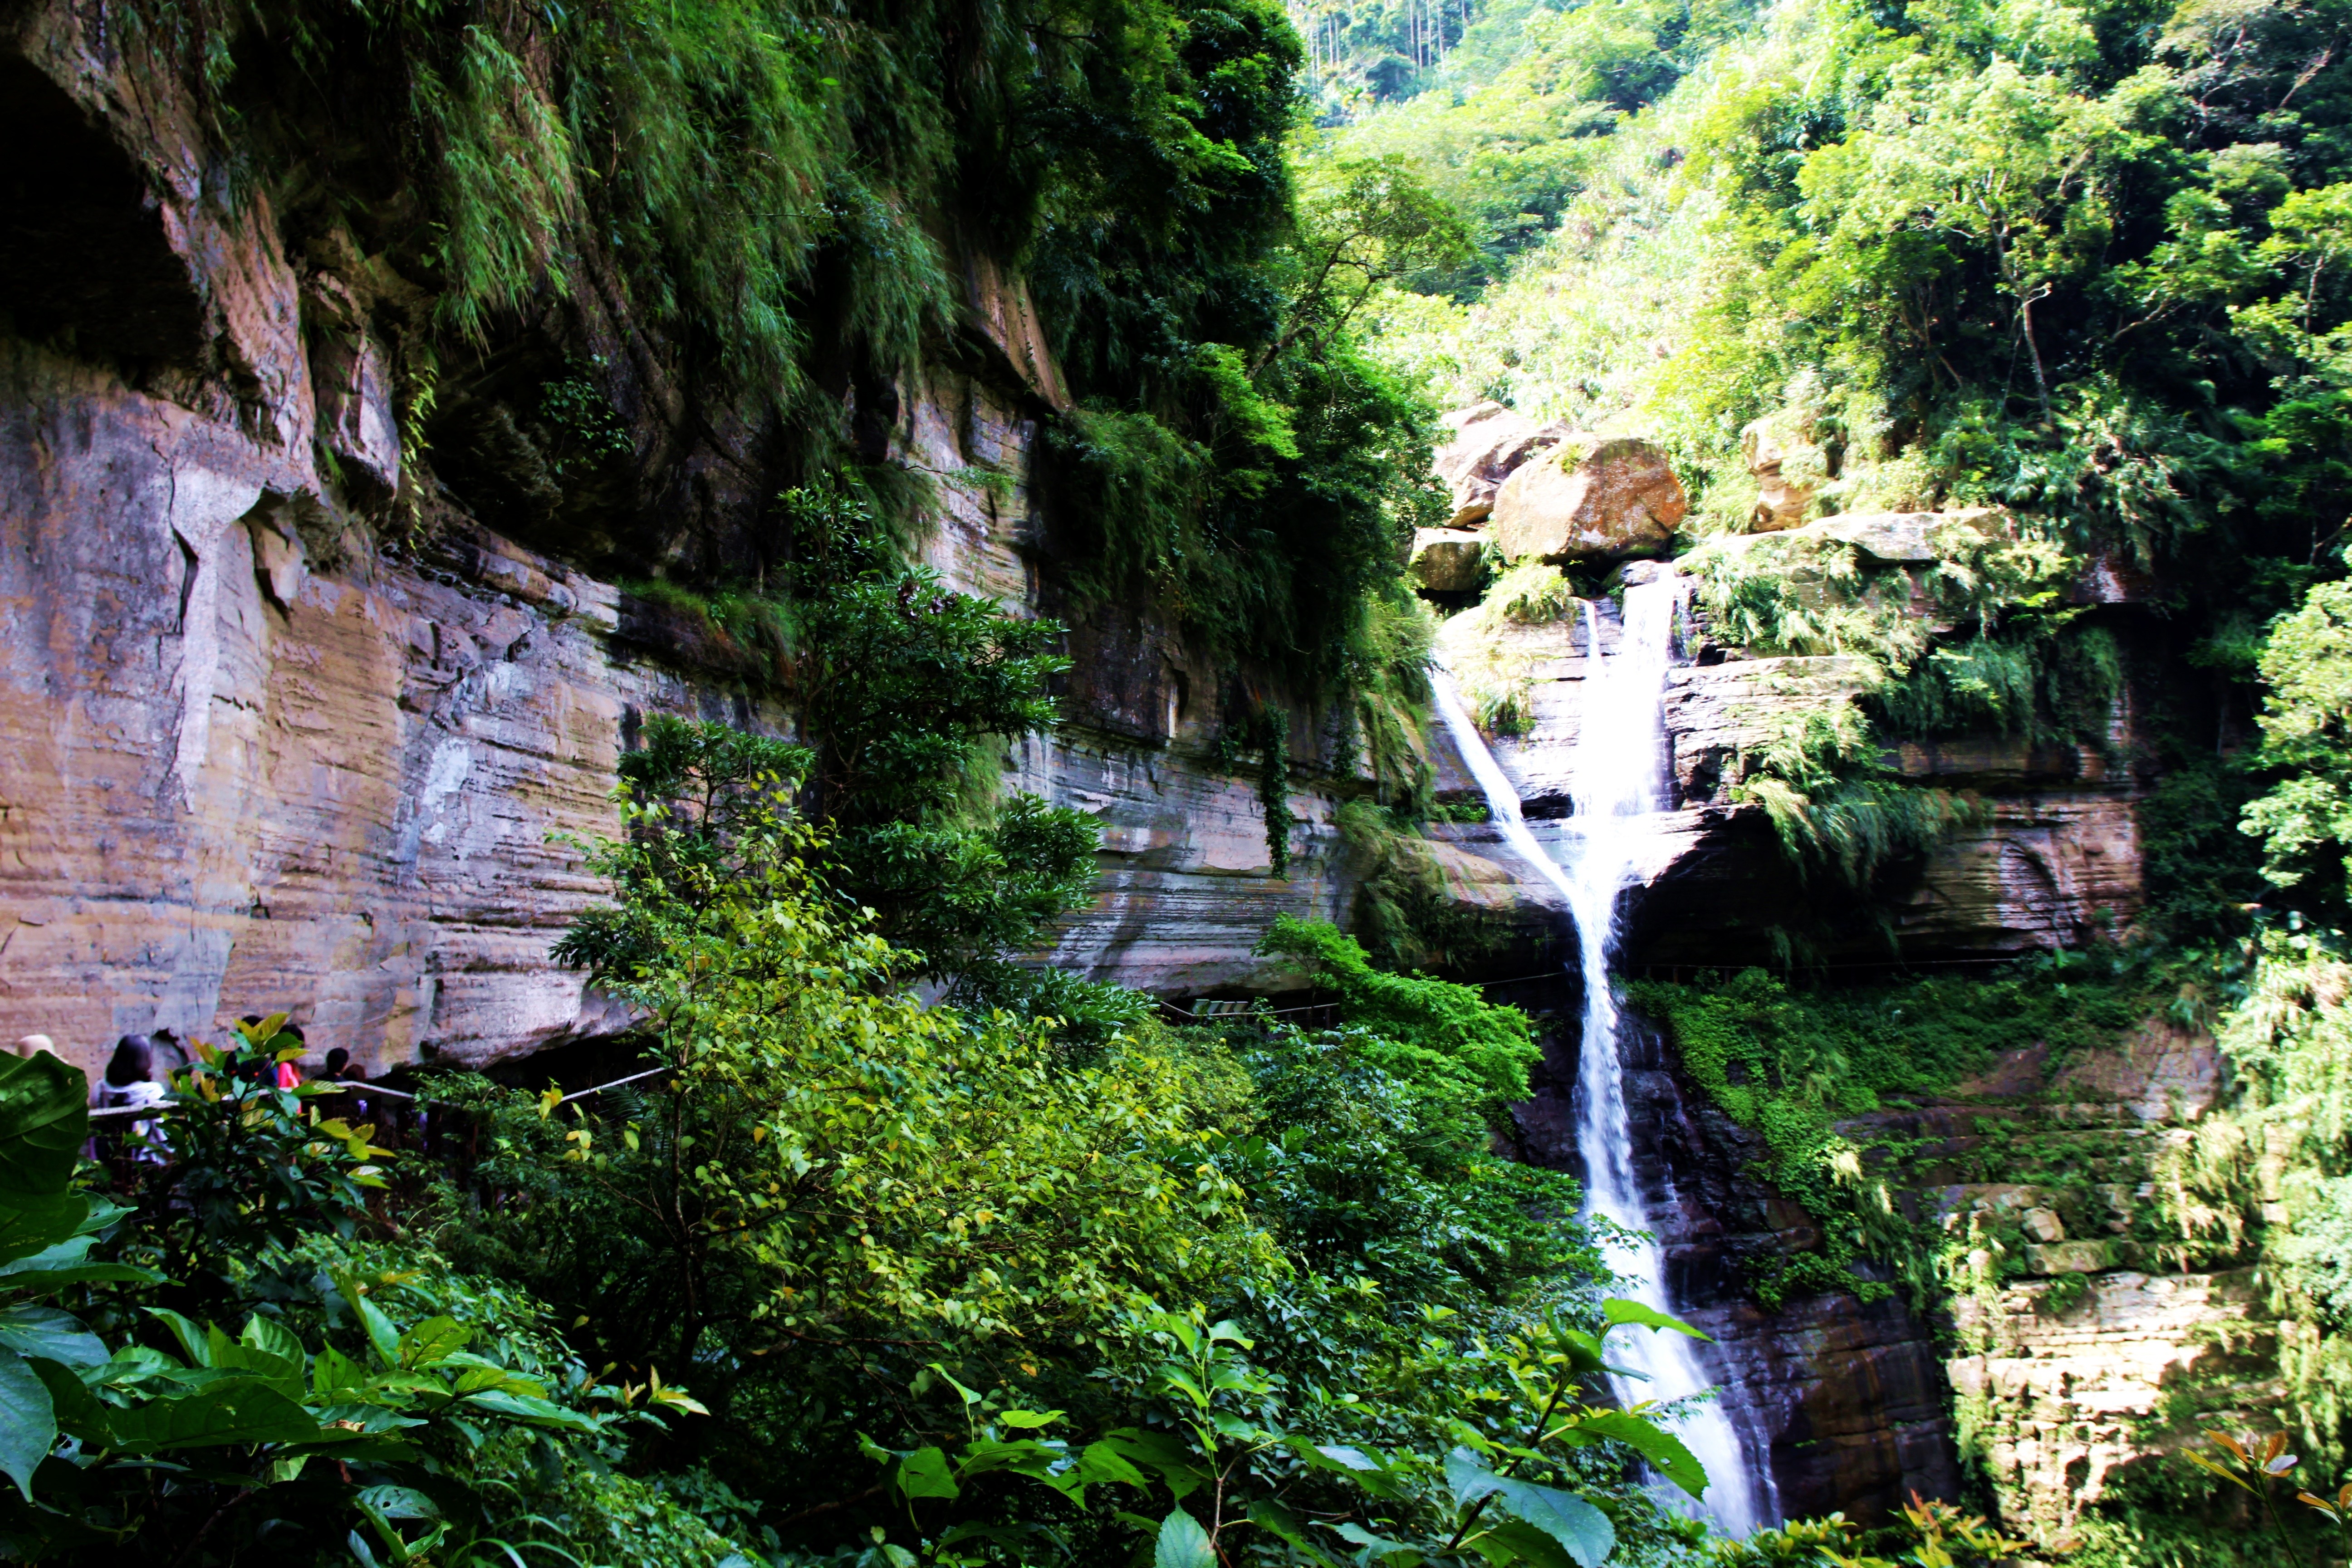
{"x":1619,"y":785}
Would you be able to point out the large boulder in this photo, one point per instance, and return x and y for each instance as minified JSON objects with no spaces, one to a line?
{"x":1590,"y":497}
{"x":1447,"y":560}
{"x":1784,"y":455}
{"x":1489,"y":441}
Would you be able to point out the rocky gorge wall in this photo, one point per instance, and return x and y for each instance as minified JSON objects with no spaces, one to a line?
{"x":271,"y":745}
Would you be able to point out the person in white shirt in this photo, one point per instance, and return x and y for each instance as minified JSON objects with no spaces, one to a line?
{"x":130,"y":1081}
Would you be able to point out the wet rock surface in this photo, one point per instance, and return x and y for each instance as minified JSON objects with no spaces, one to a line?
{"x":2052,"y":859}
{"x":1848,"y":1401}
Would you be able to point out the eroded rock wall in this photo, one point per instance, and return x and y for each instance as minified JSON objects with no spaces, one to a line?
{"x":270,"y":739}
{"x":2082,"y":1353}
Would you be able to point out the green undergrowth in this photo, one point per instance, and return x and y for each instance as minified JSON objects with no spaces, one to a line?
{"x":1451,"y":1037}
{"x":1795,"y":1064}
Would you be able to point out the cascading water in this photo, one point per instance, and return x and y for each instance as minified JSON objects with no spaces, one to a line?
{"x":1618,"y":782}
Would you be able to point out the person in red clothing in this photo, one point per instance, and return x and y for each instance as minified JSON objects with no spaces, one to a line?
{"x":278,"y":1075}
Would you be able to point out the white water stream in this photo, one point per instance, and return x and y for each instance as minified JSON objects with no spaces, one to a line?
{"x":1619,"y":785}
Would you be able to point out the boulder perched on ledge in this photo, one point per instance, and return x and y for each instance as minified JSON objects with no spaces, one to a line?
{"x":1447,"y":560}
{"x":1488,"y":443}
{"x":1591,"y":498}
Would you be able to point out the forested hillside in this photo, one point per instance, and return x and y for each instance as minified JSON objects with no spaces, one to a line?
{"x":2083,"y":263}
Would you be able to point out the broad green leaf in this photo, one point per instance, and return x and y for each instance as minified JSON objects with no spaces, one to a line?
{"x":273,"y":1338}
{"x":78,"y":1413}
{"x":1580,"y":1528}
{"x":1584,"y":1353}
{"x":1015,"y":1536}
{"x":1348,"y":1458}
{"x":237,"y":1411}
{"x":37,"y":1273}
{"x":45,"y":1331}
{"x":432,"y":1341}
{"x":1101,"y":1462}
{"x":44,"y":1122}
{"x":1023,"y":1454}
{"x":194,"y":1343}
{"x":64,"y":1254}
{"x":924,"y":1473}
{"x":969,"y":1395}
{"x":1353,"y":1463}
{"x":1516,"y":1541}
{"x":1664,"y":1451}
{"x":336,"y":1378}
{"x":103,"y":1211}
{"x":538,"y":1412}
{"x":28,"y":1422}
{"x":1182,"y":1543}
{"x":1619,"y":1313}
{"x":379,"y":1332}
{"x":397,"y":1502}
{"x":1379,"y":1548}
{"x":1028,"y":1420}
{"x":351,"y":1423}
{"x":1279,"y":1521}
{"x":1470,"y":1477}
{"x":288,"y":1375}
{"x":1176,"y":1463}
{"x":33,"y":1225}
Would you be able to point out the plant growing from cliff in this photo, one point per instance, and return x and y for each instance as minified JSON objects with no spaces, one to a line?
{"x":2305,"y":819}
{"x":1446,"y":1037}
{"x":1794,"y":1062}
{"x":1264,"y":737}
{"x":907,"y":692}
{"x":2260,"y":1467}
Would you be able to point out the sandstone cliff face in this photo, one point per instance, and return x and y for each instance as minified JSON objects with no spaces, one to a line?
{"x":261,"y":754}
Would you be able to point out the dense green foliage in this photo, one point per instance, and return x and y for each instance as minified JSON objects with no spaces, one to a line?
{"x":2080,"y":262}
{"x":913,"y":1261}
{"x":948,"y":1245}
{"x":2305,"y":821}
{"x":1798,"y":1064}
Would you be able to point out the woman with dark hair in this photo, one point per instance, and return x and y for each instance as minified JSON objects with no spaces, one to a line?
{"x":130,"y":1081}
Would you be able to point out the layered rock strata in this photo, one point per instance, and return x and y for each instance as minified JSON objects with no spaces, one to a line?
{"x":2052,"y":860}
{"x":2082,"y":1353}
